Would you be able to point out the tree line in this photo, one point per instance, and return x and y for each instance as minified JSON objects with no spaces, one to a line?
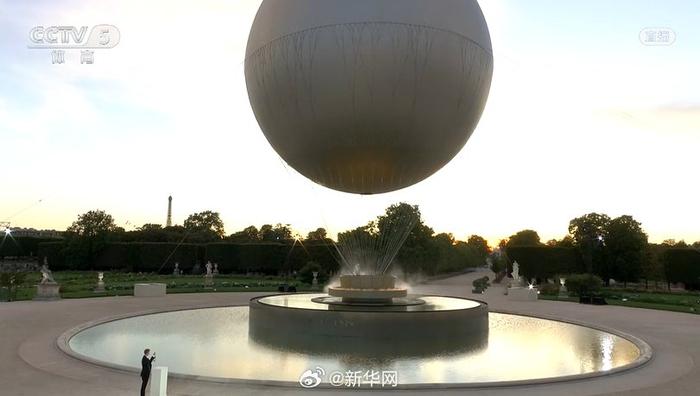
{"x":94,"y":233}
{"x":611,"y":248}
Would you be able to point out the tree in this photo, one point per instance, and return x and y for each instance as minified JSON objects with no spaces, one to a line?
{"x":682,"y":265}
{"x":278,"y":233}
{"x":674,"y":243}
{"x":86,"y":237}
{"x":318,"y":235}
{"x":480,"y":246}
{"x":587,"y":233}
{"x":92,"y":223}
{"x":418,"y":253}
{"x":358,"y":234}
{"x":498,"y":261}
{"x":566,"y":242}
{"x":147,"y":233}
{"x":625,"y":245}
{"x":524,"y":238}
{"x":248,"y":234}
{"x":588,"y":227}
{"x":150,"y":227}
{"x":207,"y":223}
{"x":652,"y":264}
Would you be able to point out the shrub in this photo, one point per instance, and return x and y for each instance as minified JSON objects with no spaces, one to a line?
{"x":583,"y":284}
{"x":480,"y":284}
{"x":549,"y":289}
{"x":11,"y":281}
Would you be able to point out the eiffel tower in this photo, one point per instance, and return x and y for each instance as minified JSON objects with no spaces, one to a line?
{"x":169,"y":221}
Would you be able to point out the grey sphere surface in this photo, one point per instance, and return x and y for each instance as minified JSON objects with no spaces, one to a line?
{"x":368,"y":96}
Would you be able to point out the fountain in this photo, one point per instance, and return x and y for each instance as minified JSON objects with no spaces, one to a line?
{"x":366,"y":290}
{"x":367,"y":320}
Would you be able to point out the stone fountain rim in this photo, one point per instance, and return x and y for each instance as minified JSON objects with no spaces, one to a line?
{"x":482,"y":304}
{"x":645,"y":356}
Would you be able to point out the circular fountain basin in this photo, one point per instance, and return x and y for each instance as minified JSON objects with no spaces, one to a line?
{"x":309,"y":322}
{"x":214,"y":344}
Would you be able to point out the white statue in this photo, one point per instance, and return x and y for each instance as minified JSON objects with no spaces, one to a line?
{"x":216,"y":268}
{"x":516,"y":273}
{"x":176,"y":270}
{"x":100,"y":282}
{"x":563,"y":292}
{"x":209,"y":268}
{"x":46,"y":275}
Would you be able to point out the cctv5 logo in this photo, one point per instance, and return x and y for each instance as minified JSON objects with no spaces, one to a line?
{"x":70,"y":37}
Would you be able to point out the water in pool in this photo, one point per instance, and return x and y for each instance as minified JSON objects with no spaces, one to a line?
{"x":214,"y":342}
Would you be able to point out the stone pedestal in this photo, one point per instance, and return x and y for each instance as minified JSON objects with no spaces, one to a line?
{"x":159,"y":381}
{"x":209,"y":281}
{"x":149,"y":290}
{"x":522,"y":294}
{"x":100,"y":287}
{"x":47,"y":291}
{"x":314,"y":281}
{"x":367,"y":288}
{"x":563,"y":293}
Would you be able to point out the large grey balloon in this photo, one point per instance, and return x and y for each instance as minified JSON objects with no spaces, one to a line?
{"x":368,"y":96}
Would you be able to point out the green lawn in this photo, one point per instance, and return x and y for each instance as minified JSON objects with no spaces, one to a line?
{"x":79,"y":284}
{"x":677,"y":302}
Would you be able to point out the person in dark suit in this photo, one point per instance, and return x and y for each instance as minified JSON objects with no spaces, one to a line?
{"x":146,"y":362}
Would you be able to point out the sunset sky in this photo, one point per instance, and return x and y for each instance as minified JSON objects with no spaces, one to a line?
{"x":581,"y":117}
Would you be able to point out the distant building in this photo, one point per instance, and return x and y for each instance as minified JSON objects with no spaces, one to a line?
{"x":34,"y":233}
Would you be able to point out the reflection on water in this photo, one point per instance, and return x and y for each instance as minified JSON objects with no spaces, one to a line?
{"x":214,"y":342}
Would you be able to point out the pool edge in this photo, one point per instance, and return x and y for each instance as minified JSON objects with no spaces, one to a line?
{"x":646,"y":355}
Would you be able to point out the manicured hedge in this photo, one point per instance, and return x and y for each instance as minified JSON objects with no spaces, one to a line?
{"x":267,"y":258}
{"x":542,"y":262}
{"x":682,"y":265}
{"x":161,"y":257}
{"x":21,"y":246}
{"x":55,"y":253}
{"x":132,"y":257}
